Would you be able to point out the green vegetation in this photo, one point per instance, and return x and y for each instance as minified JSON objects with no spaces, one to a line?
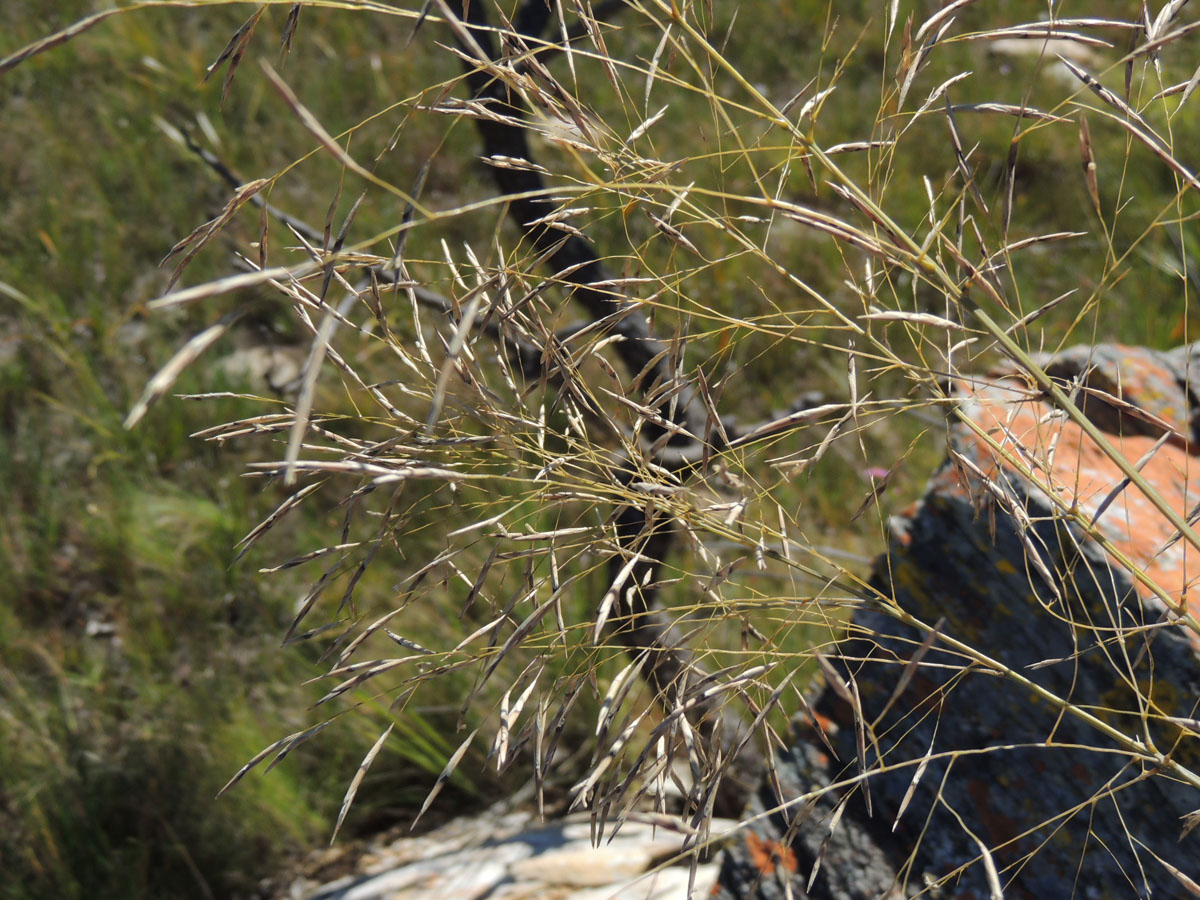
{"x":141,"y":663}
{"x":141,"y":667}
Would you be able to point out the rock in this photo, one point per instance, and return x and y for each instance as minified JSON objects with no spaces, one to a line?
{"x":512,"y":857}
{"x":976,"y":785}
{"x":665,"y":884}
{"x":265,"y":366}
{"x":1046,"y":53}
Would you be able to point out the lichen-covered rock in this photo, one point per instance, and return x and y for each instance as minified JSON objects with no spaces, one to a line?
{"x":957,"y":778}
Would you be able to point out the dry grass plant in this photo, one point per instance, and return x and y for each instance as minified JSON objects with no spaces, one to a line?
{"x":599,"y":506}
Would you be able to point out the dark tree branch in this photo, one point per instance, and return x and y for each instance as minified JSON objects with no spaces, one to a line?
{"x":638,"y":622}
{"x":575,"y":257}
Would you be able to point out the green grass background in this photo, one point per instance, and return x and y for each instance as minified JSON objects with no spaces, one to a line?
{"x":139,"y":668}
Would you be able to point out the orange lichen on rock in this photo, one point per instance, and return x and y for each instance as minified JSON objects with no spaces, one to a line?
{"x":766,"y":854}
{"x":1020,"y":434}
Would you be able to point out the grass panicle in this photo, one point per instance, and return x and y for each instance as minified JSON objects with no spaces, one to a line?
{"x":620,"y":333}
